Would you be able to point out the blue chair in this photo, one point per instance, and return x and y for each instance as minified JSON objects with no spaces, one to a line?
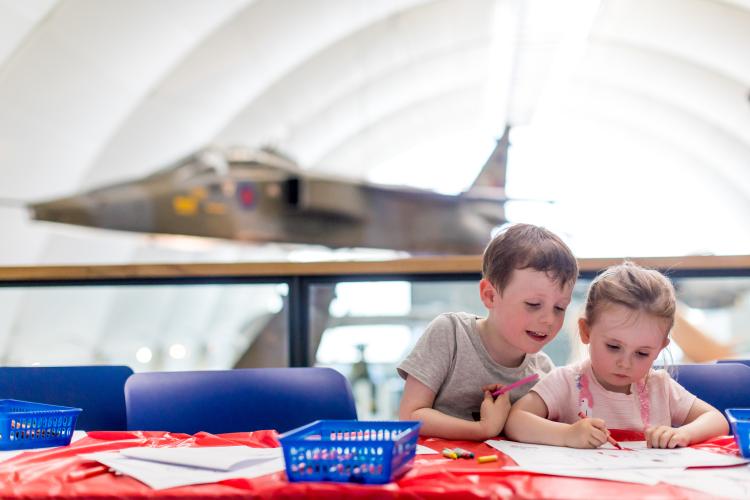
{"x":236,"y":400}
{"x":745,"y":362}
{"x":98,"y":390}
{"x":722,"y":385}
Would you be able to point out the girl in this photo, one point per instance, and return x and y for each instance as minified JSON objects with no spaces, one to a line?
{"x":629,"y":312}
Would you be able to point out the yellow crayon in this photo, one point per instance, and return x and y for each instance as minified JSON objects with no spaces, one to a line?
{"x":448,"y":453}
{"x":486,"y":458}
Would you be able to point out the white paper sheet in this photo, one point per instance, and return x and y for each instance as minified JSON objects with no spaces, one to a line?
{"x":216,"y":458}
{"x":624,"y":476}
{"x":161,"y":476}
{"x":536,"y":455}
{"x":424,"y":450}
{"x":729,"y":482}
{"x":7,"y":455}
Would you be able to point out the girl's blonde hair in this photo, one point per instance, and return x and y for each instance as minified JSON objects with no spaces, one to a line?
{"x":635,"y":287}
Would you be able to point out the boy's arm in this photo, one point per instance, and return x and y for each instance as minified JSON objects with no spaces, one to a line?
{"x":416,"y":404}
{"x":528,"y":423}
{"x":703,"y":421}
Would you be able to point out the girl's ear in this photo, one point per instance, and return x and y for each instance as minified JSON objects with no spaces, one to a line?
{"x":666,"y":342}
{"x":487,"y":293}
{"x":584,"y":330}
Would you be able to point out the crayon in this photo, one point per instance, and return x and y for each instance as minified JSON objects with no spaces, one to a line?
{"x":531,"y":378}
{"x":487,"y":458}
{"x":609,"y":438}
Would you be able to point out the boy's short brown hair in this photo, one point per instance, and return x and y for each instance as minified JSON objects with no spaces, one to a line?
{"x":523,"y":246}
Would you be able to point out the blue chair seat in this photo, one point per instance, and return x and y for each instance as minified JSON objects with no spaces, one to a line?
{"x":236,"y":400}
{"x":98,"y":390}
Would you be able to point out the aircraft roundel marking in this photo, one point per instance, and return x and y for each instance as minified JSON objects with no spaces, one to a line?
{"x":246,"y":194}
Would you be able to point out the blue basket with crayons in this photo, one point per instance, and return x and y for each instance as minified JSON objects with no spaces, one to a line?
{"x":739,"y":419}
{"x":350,"y":451}
{"x":24,"y":424}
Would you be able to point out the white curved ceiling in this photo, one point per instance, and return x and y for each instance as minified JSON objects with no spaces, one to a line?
{"x":99,"y":91}
{"x":648,"y":100}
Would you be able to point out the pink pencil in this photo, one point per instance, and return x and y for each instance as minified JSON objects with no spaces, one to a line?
{"x":531,"y":378}
{"x":611,"y":440}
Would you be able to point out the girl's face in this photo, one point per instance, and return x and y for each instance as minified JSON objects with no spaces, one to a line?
{"x":623,"y":345}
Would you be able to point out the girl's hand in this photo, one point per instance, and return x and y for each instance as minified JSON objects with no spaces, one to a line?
{"x":663,"y":436}
{"x":493,"y":412}
{"x":586,"y":433}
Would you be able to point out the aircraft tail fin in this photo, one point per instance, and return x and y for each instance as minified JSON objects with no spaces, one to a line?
{"x":492,"y":175}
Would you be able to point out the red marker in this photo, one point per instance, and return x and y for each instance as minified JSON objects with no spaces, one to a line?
{"x":531,"y":378}
{"x":609,"y":438}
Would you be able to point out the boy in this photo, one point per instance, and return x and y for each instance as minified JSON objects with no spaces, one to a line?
{"x":528,"y":275}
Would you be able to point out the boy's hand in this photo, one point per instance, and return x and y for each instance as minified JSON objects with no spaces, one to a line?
{"x":663,"y":436}
{"x":586,"y":433}
{"x":493,"y":412}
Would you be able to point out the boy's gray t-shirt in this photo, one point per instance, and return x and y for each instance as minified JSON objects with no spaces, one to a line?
{"x":450,"y":358}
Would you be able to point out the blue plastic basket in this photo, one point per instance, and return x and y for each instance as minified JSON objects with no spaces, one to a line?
{"x":739,"y":419}
{"x":350,"y":451}
{"x":24,"y":424}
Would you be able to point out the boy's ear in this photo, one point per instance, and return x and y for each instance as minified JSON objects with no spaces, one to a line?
{"x":487,"y":293}
{"x":584,"y":330}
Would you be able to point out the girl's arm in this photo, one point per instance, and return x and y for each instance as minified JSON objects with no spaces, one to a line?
{"x":416,"y":404}
{"x":703,"y":421}
{"x":528,"y":423}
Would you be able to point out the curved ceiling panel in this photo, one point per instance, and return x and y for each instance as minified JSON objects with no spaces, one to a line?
{"x":367,"y":65}
{"x":422,"y":121}
{"x":709,"y":96}
{"x":424,"y":81}
{"x":76,"y":77}
{"x":724,"y":158}
{"x":710,"y":33}
{"x":197,"y":98}
{"x":17,"y":20}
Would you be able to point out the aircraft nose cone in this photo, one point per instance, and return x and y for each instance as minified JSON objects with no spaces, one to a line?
{"x":65,"y":210}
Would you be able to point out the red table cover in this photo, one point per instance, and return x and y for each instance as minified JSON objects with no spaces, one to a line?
{"x":47,"y":474}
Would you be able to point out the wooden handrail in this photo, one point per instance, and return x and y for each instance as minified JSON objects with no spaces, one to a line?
{"x":416,"y":265}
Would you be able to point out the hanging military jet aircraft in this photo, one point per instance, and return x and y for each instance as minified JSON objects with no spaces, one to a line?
{"x":260,"y":196}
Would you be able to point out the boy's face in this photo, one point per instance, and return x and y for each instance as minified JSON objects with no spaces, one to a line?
{"x":530,"y":310}
{"x":623,"y":345}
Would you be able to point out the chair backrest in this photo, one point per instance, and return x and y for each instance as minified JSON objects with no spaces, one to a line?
{"x":98,"y":390}
{"x":237,"y":400}
{"x":745,"y":362}
{"x":722,"y":385}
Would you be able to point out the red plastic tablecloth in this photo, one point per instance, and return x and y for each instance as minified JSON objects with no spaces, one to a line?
{"x":46,"y":474}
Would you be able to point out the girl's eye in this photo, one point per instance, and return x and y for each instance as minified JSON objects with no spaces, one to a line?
{"x":559,"y":309}
{"x":531,"y":304}
{"x":642,"y":354}
{"x":613,"y":347}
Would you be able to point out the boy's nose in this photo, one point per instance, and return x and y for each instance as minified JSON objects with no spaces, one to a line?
{"x":547,"y":318}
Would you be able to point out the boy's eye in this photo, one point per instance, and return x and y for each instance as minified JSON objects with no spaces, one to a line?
{"x":532,"y":304}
